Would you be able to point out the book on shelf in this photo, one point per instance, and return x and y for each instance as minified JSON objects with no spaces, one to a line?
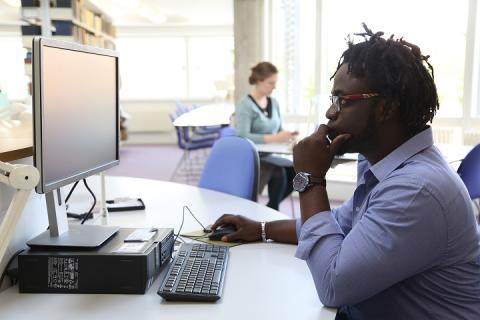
{"x":56,"y":3}
{"x":63,"y":27}
{"x":31,"y":30}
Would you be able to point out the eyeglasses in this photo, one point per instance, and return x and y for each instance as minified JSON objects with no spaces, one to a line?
{"x":339,"y":101}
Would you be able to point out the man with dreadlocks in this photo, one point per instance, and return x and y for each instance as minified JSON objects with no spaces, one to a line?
{"x":405,"y":245}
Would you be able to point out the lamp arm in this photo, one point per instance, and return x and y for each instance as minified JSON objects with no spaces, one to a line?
{"x":23,"y":178}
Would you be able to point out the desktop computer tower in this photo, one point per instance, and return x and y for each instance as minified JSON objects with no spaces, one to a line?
{"x":103,"y":270}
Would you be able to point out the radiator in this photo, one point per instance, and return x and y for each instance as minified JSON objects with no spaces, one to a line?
{"x":471,"y":137}
{"x":149,"y":119}
{"x":447,"y":135}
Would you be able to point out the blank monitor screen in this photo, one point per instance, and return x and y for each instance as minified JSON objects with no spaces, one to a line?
{"x":76,"y":112}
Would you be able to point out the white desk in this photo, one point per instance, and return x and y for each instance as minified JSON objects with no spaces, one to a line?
{"x":342,"y":177}
{"x":263,"y":281}
{"x":287,"y":149}
{"x":207,"y":115}
{"x":452,"y":153}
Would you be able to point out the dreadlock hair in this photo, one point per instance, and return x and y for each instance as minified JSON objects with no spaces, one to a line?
{"x":395,"y":69}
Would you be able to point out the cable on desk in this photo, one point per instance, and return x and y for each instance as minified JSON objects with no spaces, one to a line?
{"x":4,"y":273}
{"x":183,"y":219}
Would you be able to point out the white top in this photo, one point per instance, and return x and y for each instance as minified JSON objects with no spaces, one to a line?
{"x":263,"y":280}
{"x":207,"y":115}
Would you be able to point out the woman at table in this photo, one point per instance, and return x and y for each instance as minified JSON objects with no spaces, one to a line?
{"x":257,"y":117}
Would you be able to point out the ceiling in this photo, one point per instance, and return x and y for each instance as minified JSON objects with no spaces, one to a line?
{"x":148,"y":12}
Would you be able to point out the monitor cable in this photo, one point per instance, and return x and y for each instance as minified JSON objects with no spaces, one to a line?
{"x":86,"y":215}
{"x":71,"y":191}
{"x":89,"y":213}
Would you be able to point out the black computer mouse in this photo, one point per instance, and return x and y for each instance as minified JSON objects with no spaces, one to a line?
{"x":222,"y":231}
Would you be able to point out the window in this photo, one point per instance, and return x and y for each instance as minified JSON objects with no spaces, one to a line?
{"x":210,"y":61}
{"x":293,"y":52}
{"x":437,"y":27}
{"x":13,"y":78}
{"x":446,"y":30}
{"x":152,"y":68}
{"x":174,"y":67}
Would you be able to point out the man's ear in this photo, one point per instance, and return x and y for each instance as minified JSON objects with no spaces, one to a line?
{"x":387,"y":110}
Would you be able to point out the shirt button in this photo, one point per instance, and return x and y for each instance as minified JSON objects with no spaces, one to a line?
{"x":357,"y":208}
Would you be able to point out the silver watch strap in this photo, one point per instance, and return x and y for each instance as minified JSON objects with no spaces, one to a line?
{"x":264,"y":234}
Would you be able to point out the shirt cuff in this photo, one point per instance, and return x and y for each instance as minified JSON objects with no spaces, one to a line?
{"x":313,"y":230}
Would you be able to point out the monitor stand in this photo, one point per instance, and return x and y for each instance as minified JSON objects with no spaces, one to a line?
{"x":62,"y":235}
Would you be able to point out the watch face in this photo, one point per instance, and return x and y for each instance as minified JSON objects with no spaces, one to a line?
{"x":300,"y":182}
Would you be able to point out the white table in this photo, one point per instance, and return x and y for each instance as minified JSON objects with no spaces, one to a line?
{"x":342,"y":177}
{"x":207,"y":115}
{"x":287,"y":149}
{"x":263,"y":281}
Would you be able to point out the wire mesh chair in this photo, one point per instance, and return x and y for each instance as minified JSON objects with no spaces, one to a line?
{"x":189,"y":167}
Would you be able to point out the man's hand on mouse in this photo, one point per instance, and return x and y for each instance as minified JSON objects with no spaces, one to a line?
{"x":247,"y":229}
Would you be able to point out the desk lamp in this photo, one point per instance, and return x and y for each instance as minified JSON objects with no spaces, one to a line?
{"x":23,"y":178}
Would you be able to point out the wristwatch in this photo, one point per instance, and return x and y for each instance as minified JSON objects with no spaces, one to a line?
{"x":303,"y":181}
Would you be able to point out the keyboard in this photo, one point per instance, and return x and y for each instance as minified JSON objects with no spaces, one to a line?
{"x":196,"y":274}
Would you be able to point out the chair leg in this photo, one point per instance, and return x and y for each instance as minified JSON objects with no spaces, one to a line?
{"x":188,"y":165}
{"x":179,"y":165}
{"x":191,"y":165}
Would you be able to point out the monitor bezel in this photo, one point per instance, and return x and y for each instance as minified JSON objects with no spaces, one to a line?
{"x":38,"y":118}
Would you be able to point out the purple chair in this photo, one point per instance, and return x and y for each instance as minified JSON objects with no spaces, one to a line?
{"x":188,"y":165}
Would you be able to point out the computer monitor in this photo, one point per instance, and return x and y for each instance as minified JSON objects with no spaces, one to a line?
{"x":76,"y":130}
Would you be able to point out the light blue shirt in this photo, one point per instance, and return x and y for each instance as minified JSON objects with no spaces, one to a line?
{"x":405,"y":246}
{"x":251,"y":123}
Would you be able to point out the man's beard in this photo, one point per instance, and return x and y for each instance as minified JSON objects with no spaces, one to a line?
{"x":362,"y":141}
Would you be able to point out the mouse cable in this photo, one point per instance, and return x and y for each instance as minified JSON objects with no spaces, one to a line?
{"x":204,"y":229}
{"x":183,"y":219}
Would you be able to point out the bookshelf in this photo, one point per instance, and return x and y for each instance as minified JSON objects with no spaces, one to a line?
{"x":68,"y":20}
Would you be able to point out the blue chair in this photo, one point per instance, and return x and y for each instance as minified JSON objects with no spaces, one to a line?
{"x":232,"y":167}
{"x":227,"y":132}
{"x":469,"y":171}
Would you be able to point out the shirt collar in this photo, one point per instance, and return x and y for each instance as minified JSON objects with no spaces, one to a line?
{"x":394,"y":159}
